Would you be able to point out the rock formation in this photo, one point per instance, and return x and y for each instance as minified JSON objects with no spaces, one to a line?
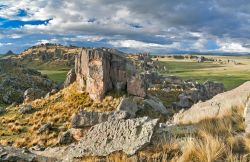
{"x":52,"y":55}
{"x":16,"y":79}
{"x":10,"y":154}
{"x":71,"y":78}
{"x":102,"y":70}
{"x":215,"y":107}
{"x":118,"y":135}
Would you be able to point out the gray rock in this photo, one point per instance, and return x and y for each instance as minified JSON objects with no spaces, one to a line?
{"x":2,"y":110}
{"x":71,"y":78}
{"x":25,"y":109}
{"x":45,"y":127}
{"x":218,"y":106}
{"x":213,"y":88}
{"x":128,"y":105}
{"x":10,"y":154}
{"x":86,"y":119}
{"x":66,"y":138}
{"x":32,"y":94}
{"x":156,"y":105}
{"x":102,"y":139}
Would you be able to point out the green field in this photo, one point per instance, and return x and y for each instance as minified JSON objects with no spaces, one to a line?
{"x":230,"y":75}
{"x":56,"y":75}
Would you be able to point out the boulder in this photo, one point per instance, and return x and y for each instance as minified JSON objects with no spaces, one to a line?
{"x":71,"y":78}
{"x":213,"y":88}
{"x":156,"y":105}
{"x":128,"y":105}
{"x":44,"y":128}
{"x":101,"y":70}
{"x":102,"y":139}
{"x":25,"y":109}
{"x":66,"y":138}
{"x":10,"y":154}
{"x":215,"y":107}
{"x":86,"y":119}
{"x":32,"y":94}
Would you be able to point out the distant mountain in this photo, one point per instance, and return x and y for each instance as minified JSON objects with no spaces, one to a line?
{"x":9,"y":53}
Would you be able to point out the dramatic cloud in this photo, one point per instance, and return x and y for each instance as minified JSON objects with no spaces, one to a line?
{"x":159,"y":26}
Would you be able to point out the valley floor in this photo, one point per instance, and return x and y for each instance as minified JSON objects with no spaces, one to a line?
{"x":230,"y":74}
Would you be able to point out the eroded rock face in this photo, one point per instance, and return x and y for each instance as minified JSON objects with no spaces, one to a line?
{"x":118,"y":135}
{"x":71,"y":78}
{"x":87,"y":119}
{"x":102,"y":70}
{"x":215,"y":107}
{"x":137,"y":86}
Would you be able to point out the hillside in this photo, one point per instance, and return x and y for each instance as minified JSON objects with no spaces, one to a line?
{"x":111,"y":111}
{"x":49,"y":56}
{"x":15,"y":79}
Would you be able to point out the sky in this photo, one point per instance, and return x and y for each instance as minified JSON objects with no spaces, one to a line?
{"x":156,"y":26}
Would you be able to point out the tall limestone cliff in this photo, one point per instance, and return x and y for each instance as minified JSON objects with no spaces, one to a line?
{"x":102,"y":70}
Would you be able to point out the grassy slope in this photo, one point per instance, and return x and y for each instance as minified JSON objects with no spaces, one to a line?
{"x":21,"y":129}
{"x":56,"y":75}
{"x":229,"y":74}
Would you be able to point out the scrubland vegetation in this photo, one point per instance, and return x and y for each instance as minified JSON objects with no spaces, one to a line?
{"x":21,"y":129}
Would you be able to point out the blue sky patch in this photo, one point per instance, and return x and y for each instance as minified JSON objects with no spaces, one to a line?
{"x":7,"y":24}
{"x":211,"y":45}
{"x":22,"y":13}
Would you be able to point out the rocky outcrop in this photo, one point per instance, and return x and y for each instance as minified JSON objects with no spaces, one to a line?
{"x":87,"y":119}
{"x":16,"y":79}
{"x":156,"y":105}
{"x":71,"y":78}
{"x":10,"y":154}
{"x":215,"y":107}
{"x":213,"y":88}
{"x":102,"y":70}
{"x":247,"y":116}
{"x":102,"y":139}
{"x":32,"y":94}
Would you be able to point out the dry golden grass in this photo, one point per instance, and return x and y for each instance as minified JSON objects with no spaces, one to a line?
{"x":216,"y":140}
{"x":57,"y":109}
